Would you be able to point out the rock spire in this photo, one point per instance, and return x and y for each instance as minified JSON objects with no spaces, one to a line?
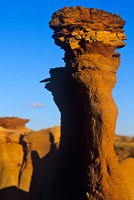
{"x":88,"y":167}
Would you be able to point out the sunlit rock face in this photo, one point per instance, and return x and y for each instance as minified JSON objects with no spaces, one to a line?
{"x":18,"y":168}
{"x":88,"y":167}
{"x":14,"y":123}
{"x":12,"y":159}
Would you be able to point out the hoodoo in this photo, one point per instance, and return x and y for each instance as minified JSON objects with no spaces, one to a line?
{"x":88,"y":167}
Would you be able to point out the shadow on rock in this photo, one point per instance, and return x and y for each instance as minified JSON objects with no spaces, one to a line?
{"x":43,"y":173}
{"x":13,"y":193}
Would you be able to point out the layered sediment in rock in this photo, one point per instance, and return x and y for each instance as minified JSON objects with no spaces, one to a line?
{"x":88,"y":167}
{"x":14,"y":123}
{"x":17,"y":161}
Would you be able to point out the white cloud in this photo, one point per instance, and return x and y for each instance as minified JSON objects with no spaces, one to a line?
{"x":36,"y":105}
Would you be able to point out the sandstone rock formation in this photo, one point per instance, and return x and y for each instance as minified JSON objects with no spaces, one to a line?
{"x":13,"y":123}
{"x":16,"y":147}
{"x":12,"y":154}
{"x":37,"y":177}
{"x":88,"y":167}
{"x":127,"y":167}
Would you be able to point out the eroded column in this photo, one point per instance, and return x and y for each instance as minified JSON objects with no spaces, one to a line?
{"x":88,"y":167}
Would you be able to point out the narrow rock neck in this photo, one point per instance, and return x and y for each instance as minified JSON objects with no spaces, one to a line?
{"x":88,"y":119}
{"x":88,"y":167}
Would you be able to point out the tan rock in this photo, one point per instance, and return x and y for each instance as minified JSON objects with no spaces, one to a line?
{"x":40,"y":141}
{"x":11,"y":158}
{"x":11,"y":155}
{"x":88,"y":168}
{"x":127,"y":167}
{"x":15,"y":156}
{"x":14,"y":123}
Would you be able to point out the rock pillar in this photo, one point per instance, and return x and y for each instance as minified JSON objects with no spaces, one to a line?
{"x":88,"y":167}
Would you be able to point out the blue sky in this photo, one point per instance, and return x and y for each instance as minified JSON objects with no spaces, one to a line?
{"x":27,"y":52}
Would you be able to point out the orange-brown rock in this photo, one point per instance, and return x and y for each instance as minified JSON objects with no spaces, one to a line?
{"x":17,"y":163}
{"x":127,"y":167}
{"x":88,"y":168}
{"x":14,"y":123}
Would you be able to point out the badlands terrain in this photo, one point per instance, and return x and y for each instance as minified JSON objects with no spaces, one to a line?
{"x":84,"y":166}
{"x":27,"y":166}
